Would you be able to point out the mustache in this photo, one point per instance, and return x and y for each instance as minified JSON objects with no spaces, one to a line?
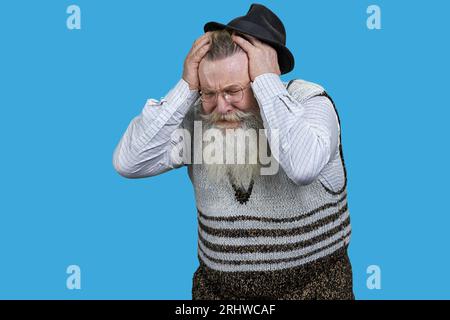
{"x":235,"y":116}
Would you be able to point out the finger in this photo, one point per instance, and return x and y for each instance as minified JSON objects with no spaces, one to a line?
{"x":252,"y":40}
{"x":207,"y":36}
{"x":257,"y":43}
{"x":200,"y":42}
{"x":195,"y":48}
{"x":244,"y":44}
{"x":201,"y":45}
{"x":200,"y":52}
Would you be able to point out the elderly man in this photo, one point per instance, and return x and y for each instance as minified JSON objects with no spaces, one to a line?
{"x":281,"y":234}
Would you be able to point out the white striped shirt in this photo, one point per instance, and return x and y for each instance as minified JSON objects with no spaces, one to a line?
{"x":308,"y":133}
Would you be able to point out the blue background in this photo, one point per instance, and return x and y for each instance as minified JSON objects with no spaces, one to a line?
{"x":67,"y":96}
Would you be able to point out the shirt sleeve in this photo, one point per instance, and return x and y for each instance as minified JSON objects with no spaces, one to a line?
{"x":308,"y":131}
{"x":144,"y":148}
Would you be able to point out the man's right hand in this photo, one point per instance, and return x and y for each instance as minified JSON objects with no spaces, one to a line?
{"x":192,"y":61}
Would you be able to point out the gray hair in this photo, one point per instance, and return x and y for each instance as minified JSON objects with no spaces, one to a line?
{"x":222,"y":45}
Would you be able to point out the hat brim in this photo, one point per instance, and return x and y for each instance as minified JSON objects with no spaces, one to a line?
{"x":285,"y":57}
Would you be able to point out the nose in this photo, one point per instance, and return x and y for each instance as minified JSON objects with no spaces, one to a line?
{"x":223,"y":106}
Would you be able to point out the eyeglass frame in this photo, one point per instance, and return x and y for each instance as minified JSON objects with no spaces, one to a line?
{"x":223,"y":93}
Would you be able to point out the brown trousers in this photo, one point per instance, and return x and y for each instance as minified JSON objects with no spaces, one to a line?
{"x":326,"y":279}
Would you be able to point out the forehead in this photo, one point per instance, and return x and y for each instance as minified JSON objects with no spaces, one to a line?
{"x":224,"y":72}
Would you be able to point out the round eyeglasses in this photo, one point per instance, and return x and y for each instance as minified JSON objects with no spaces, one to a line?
{"x":232,"y":94}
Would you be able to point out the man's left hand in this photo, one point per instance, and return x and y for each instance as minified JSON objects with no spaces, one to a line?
{"x":262,"y":58}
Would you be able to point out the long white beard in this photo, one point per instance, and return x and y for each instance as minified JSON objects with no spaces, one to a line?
{"x":240,"y":175}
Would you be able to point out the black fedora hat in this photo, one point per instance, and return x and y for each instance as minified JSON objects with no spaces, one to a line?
{"x":264,"y":25}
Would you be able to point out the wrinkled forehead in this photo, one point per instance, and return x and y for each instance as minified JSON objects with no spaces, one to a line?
{"x":222,"y":73}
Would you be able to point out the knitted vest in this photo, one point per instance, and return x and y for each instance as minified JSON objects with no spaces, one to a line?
{"x":275,"y":231}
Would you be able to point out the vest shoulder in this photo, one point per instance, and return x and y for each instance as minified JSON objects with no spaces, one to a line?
{"x":303,"y":90}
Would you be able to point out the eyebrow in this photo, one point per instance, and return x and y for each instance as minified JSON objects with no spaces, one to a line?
{"x":226,"y":87}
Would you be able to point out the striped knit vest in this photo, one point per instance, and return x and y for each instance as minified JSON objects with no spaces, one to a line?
{"x":277,"y":232}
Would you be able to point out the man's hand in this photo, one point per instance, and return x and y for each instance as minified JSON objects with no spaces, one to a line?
{"x":262,"y":57}
{"x":192,"y":61}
